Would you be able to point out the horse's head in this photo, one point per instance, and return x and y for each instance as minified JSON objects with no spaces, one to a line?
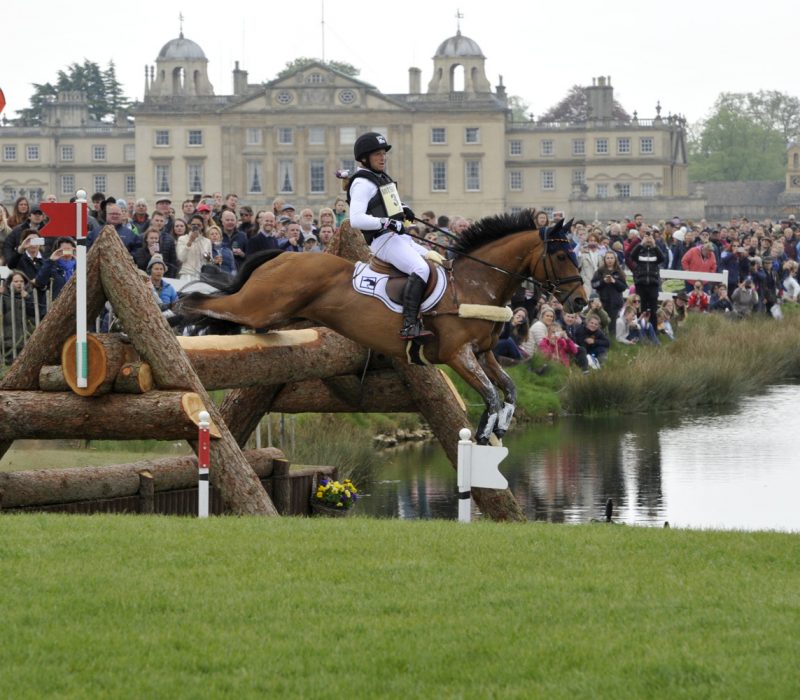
{"x":560,"y":267}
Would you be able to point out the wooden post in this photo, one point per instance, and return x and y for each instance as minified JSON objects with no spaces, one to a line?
{"x":134,"y":304}
{"x":281,"y":485}
{"x":147,"y":494}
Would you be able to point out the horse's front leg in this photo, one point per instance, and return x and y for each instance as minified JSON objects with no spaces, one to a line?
{"x":499,"y":377}
{"x":469,"y":368}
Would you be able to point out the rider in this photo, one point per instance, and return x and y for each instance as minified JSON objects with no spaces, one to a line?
{"x":376,"y":209}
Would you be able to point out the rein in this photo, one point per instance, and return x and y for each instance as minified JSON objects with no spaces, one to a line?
{"x":549,"y":286}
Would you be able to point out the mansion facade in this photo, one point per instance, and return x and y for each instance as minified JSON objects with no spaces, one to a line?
{"x":457,"y":148}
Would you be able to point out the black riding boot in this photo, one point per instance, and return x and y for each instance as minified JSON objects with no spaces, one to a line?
{"x":412,"y":298}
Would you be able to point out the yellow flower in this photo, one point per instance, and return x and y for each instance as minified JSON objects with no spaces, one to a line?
{"x":339,"y":504}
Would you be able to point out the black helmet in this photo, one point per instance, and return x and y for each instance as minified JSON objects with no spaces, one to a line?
{"x":369,"y":143}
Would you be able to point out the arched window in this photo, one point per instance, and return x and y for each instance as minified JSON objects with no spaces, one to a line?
{"x":796,"y":161}
{"x":457,"y":78}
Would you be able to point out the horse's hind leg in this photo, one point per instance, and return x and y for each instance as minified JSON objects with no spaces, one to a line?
{"x":499,"y":377}
{"x":469,"y":368}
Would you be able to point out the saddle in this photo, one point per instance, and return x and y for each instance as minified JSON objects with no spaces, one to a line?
{"x":397,"y":279}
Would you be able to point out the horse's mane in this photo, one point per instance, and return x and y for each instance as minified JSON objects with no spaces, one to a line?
{"x":493,"y":228}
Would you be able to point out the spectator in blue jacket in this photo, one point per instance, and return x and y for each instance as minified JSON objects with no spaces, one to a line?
{"x":58,"y":268}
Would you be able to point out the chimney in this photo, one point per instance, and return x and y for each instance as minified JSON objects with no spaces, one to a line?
{"x":414,"y":81}
{"x":239,"y":80}
{"x":601,"y":98}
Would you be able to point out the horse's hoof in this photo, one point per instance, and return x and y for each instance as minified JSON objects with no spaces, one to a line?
{"x":484,"y":441}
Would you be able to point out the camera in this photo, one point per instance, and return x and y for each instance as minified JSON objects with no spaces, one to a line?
{"x":37,"y":241}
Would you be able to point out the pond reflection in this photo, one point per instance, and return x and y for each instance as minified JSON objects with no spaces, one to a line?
{"x":733,"y":470}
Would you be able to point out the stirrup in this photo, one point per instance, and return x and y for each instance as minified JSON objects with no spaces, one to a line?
{"x":414,"y":330}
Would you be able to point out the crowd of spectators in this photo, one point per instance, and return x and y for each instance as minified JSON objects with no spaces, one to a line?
{"x":619,"y":263}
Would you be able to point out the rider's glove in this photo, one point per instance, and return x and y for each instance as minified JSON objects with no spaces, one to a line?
{"x":408,"y":213}
{"x":395,"y":225}
{"x":435,"y":257}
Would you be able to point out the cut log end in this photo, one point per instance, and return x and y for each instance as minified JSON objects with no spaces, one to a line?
{"x":192,"y":406}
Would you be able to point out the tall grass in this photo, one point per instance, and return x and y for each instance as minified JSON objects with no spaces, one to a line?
{"x":713,"y":362}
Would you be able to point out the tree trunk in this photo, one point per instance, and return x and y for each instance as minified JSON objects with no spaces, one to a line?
{"x":48,"y":486}
{"x":107,"y":353}
{"x":157,"y":415}
{"x":134,"y":378}
{"x":438,"y":402}
{"x":134,"y":303}
{"x":51,"y":378}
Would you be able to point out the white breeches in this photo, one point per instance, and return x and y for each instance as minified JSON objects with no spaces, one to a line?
{"x":401,"y":251}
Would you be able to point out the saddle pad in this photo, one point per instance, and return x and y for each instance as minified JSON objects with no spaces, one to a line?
{"x":373,"y":284}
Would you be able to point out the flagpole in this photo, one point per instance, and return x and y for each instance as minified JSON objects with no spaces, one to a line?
{"x":82,"y":353}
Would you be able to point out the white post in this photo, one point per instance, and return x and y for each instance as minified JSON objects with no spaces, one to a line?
{"x":464,"y":475}
{"x":203,"y":463}
{"x":81,"y":348}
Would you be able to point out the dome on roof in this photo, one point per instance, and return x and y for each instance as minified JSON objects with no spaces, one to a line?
{"x":181,"y":49}
{"x":459,"y":46}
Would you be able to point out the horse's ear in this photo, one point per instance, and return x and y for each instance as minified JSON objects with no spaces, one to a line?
{"x":568,"y":226}
{"x":556,"y":228}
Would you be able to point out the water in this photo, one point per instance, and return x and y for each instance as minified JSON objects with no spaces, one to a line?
{"x":736,"y":470}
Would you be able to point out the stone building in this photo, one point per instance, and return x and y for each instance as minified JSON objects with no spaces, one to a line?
{"x":456,"y":147}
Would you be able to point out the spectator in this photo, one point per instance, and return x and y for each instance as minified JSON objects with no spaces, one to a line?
{"x":293,"y":241}
{"x":609,"y":283}
{"x":590,"y":258}
{"x":19,"y":314}
{"x":29,"y":258}
{"x":306,"y":221}
{"x":140,"y":221}
{"x":595,"y":307}
{"x":232,"y":238}
{"x":164,"y":290}
{"x":628,"y":331}
{"x":114,"y":216}
{"x":538,"y":331}
{"x":20,"y":213}
{"x":221,"y":257}
{"x":744,"y":298}
{"x":247,"y":224}
{"x":194,"y":249}
{"x":723,"y":302}
{"x":151,"y":245}
{"x":187,"y":209}
{"x":698,"y":299}
{"x":264,"y":238}
{"x":557,"y":345}
{"x":647,"y":259}
{"x":791,"y":287}
{"x":325,"y":234}
{"x":164,"y":207}
{"x":166,"y":244}
{"x":57,"y":270}
{"x":340,"y":211}
{"x":664,"y":326}
{"x":591,"y":338}
{"x":5,"y":230}
{"x":509,"y":348}
{"x":699,"y":259}
{"x":33,"y":224}
{"x":681,"y":300}
{"x":327,"y":218}
{"x":179,"y":229}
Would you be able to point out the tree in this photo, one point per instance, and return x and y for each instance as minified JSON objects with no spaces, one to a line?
{"x":103,"y":91}
{"x":575,"y":108}
{"x":519,"y":108}
{"x":305,"y":61}
{"x":745,"y":138}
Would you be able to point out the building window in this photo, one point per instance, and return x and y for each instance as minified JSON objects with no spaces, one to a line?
{"x":316,"y":175}
{"x":347,"y":97}
{"x":516,"y":210}
{"x":100,"y":183}
{"x":549,"y":211}
{"x":347,"y":135}
{"x":347,"y":164}
{"x":438,"y":134}
{"x":284,"y":97}
{"x":285,"y":135}
{"x":316,"y":136}
{"x":601,"y":146}
{"x":195,"y":137}
{"x":9,"y":152}
{"x":623,"y":190}
{"x":515,"y":147}
{"x":623,"y":146}
{"x":162,"y":137}
{"x":315,"y":79}
{"x":255,"y":177}
{"x":130,"y":184}
{"x":99,"y":153}
{"x":472,"y":134}
{"x":68,"y":184}
{"x":67,"y":154}
{"x":515,"y":180}
{"x":472,"y":175}
{"x":647,"y":189}
{"x":129,"y":152}
{"x":548,"y":180}
{"x":602,"y":191}
{"x":32,"y":152}
{"x":578,"y":177}
{"x":439,"y":176}
{"x":253,"y":137}
{"x":162,"y":179}
{"x":547,"y":147}
{"x":194,"y":177}
{"x":646,"y":145}
{"x":285,"y":176}
{"x":578,"y":147}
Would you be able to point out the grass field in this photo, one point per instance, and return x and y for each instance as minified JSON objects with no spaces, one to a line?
{"x":125,"y":606}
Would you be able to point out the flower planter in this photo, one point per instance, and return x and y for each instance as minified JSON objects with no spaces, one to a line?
{"x":325,"y":510}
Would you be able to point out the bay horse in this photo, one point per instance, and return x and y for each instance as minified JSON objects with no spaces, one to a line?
{"x":492,"y":258}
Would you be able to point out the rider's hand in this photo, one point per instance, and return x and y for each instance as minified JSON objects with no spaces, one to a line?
{"x":395,"y":225}
{"x":408,"y":213}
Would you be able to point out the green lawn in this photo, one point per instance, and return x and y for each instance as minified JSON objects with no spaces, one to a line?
{"x":125,"y":606}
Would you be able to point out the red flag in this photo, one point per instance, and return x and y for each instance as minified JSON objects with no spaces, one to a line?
{"x":65,"y":219}
{"x":2,"y":100}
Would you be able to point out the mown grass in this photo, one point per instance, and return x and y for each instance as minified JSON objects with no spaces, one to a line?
{"x":116,"y":606}
{"x":713,"y":363}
